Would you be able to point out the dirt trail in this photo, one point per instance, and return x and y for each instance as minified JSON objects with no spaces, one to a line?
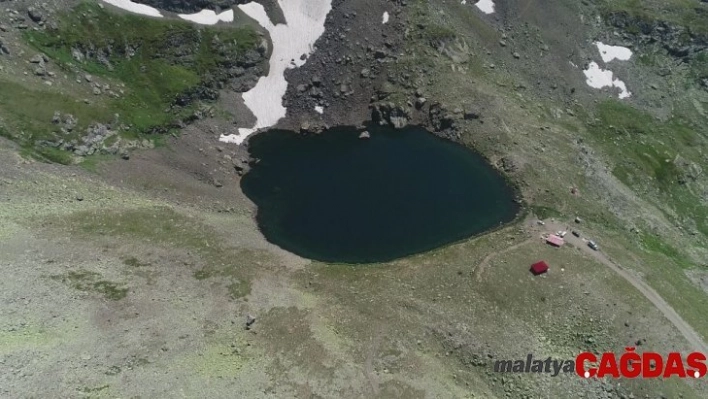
{"x":686,"y":330}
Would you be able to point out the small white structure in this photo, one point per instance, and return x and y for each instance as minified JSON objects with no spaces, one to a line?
{"x":319,"y":109}
{"x":385,"y":17}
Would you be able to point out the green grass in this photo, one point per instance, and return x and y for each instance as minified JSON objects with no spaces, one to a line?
{"x":28,"y":112}
{"x":170,"y":57}
{"x":544,"y":212}
{"x":644,"y":144}
{"x":55,"y":155}
{"x":654,"y":243}
{"x":643,"y":150}
{"x":699,"y":66}
{"x":91,"y":162}
{"x":154,"y":62}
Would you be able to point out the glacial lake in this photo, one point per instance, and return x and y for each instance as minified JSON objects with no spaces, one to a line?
{"x":334,"y":197}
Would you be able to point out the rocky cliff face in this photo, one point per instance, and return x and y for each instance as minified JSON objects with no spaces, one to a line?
{"x":193,"y":6}
{"x":679,"y":41}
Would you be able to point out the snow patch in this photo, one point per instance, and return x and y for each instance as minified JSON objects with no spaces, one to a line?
{"x":609,"y":53}
{"x":598,"y":78}
{"x":486,"y":6}
{"x":135,"y":7}
{"x":209,"y":17}
{"x":385,"y":17}
{"x":304,"y":25}
{"x":319,"y":109}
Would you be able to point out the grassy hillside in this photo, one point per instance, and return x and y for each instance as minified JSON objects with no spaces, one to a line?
{"x":153,"y":73}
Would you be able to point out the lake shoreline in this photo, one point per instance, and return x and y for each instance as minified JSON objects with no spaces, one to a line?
{"x":415,"y":156}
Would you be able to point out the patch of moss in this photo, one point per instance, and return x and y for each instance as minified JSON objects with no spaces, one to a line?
{"x":134,"y":262}
{"x":54,"y":155}
{"x":110,"y":290}
{"x":113,"y":370}
{"x":87,"y":281}
{"x":439,"y":33}
{"x":76,"y":279}
{"x":90,"y":390}
{"x":239,"y":289}
{"x":5,"y":133}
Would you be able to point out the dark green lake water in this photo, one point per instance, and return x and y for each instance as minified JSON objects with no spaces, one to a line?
{"x":334,"y":197}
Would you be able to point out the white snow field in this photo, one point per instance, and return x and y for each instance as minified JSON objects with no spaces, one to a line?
{"x":609,"y":53}
{"x":598,"y":78}
{"x":135,"y":7}
{"x":209,"y":17}
{"x":304,"y":25}
{"x":486,"y":6}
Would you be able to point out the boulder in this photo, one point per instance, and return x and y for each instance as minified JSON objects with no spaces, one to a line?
{"x":398,"y":118}
{"x":471,"y":115}
{"x":37,"y":59}
{"x":77,"y":55}
{"x":3,"y":48}
{"x":35,"y":15}
{"x":391,"y":114}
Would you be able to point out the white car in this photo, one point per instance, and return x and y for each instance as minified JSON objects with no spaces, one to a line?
{"x":592,"y":245}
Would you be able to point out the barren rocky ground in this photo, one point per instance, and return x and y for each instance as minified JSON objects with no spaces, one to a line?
{"x":132,"y":265}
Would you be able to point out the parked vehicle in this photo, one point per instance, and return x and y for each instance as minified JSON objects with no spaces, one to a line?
{"x":575,"y":233}
{"x":593,"y":245}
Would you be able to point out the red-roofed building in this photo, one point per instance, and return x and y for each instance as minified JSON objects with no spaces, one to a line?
{"x":555,"y":240}
{"x":539,"y":268}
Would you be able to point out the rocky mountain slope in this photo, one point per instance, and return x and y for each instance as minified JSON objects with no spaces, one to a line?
{"x":134,"y":267}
